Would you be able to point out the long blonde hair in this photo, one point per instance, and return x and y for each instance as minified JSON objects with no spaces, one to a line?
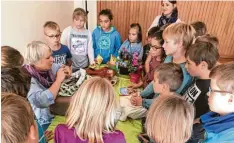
{"x":170,"y":120}
{"x":92,"y":110}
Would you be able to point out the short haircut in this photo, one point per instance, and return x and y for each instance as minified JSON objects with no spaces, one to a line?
{"x":208,"y":38}
{"x":180,"y":32}
{"x":170,"y":74}
{"x":11,"y":57}
{"x":52,"y":25}
{"x":107,"y":12}
{"x":15,"y":80}
{"x":79,"y":12}
{"x":35,"y":51}
{"x":17,"y":118}
{"x":203,"y":51}
{"x":162,"y":124}
{"x":139,"y":33}
{"x":200,"y":28}
{"x":224,"y":75}
{"x":92,"y":109}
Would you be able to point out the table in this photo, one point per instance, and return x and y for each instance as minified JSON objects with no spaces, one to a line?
{"x":130,"y":128}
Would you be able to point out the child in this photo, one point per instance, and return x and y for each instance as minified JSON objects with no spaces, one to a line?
{"x":91,"y":115}
{"x":219,"y":123}
{"x":61,"y":53}
{"x":146,"y":48}
{"x":133,"y":43}
{"x":106,"y":40}
{"x":79,"y":41}
{"x":11,"y":57}
{"x":18,"y":124}
{"x":200,"y":28}
{"x":201,"y":57}
{"x":167,"y":79}
{"x":155,"y":56}
{"x":170,"y":120}
{"x":177,"y":39}
{"x":169,"y":14}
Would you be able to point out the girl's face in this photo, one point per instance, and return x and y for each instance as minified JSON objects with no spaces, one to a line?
{"x":156,"y":47}
{"x":167,"y":7}
{"x":132,"y":35}
{"x":79,"y":22}
{"x":105,"y":22}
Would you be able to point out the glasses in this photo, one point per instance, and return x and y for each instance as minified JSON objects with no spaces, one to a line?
{"x":54,"y":36}
{"x":219,"y":91}
{"x":155,"y":47}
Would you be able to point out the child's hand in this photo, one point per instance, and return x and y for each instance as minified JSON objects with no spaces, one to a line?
{"x":48,"y":135}
{"x":67,"y":70}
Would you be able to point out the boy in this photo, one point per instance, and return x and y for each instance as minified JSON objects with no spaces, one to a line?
{"x":219,"y":123}
{"x":177,"y":39}
{"x":79,"y":41}
{"x":61,"y":53}
{"x":200,"y":28}
{"x":201,"y":57}
{"x":167,"y":79}
{"x":18,"y":124}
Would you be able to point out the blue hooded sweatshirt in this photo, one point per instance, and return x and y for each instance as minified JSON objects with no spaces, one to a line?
{"x":106,"y":43}
{"x":219,"y":129}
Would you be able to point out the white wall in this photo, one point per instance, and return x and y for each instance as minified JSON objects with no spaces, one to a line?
{"x":22,"y":21}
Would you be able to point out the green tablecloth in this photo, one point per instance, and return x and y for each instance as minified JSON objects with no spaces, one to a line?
{"x":130,"y":128}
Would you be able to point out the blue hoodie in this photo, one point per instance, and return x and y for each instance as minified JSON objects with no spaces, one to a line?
{"x":219,"y":129}
{"x":106,"y":43}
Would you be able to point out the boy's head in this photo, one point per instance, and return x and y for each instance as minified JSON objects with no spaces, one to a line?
{"x":177,"y":37}
{"x":221,"y":94}
{"x":105,"y":17}
{"x":161,"y":122}
{"x":11,"y":57}
{"x":201,"y":56}
{"x":18,"y":125}
{"x":208,"y":38}
{"x":15,"y":80}
{"x":151,"y":33}
{"x":79,"y":18}
{"x":52,"y":33}
{"x":200,"y":28}
{"x":167,"y":78}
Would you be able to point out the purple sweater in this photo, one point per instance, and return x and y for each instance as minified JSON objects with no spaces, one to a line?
{"x":64,"y":135}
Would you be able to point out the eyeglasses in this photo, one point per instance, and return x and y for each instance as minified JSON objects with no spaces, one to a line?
{"x":155,"y":47}
{"x":219,"y":91}
{"x":54,"y":36}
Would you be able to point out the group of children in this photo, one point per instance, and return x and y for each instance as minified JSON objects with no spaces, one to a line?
{"x":187,"y":96}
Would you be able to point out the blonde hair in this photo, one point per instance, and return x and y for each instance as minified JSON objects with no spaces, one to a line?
{"x":52,"y":25}
{"x":79,"y":12}
{"x":92,"y":109}
{"x":180,"y":32}
{"x":224,"y":75}
{"x":11,"y":57}
{"x":17,"y":118}
{"x":170,"y":120}
{"x":35,"y":51}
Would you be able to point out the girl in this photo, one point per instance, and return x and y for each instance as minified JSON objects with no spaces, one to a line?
{"x":161,"y":123}
{"x":169,"y":14}
{"x":91,"y":115}
{"x":106,"y":40}
{"x":155,"y":56}
{"x":133,"y":43}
